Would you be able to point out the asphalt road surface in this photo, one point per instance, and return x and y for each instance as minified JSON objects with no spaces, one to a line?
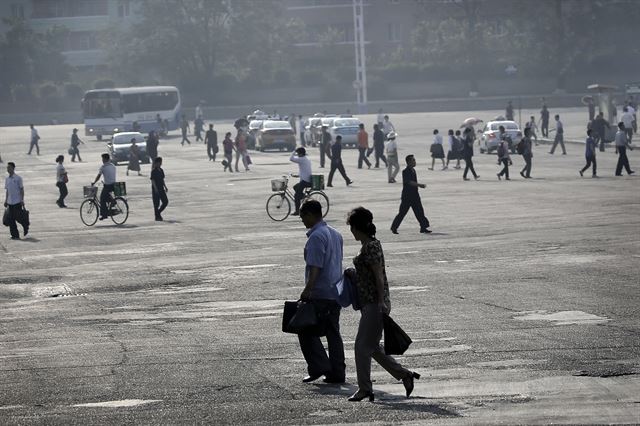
{"x":522,"y":304}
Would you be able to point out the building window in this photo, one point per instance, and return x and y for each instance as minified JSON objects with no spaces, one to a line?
{"x":17,"y":11}
{"x":81,"y":40}
{"x":395,"y":32}
{"x":124,"y":8}
{"x":69,"y":8}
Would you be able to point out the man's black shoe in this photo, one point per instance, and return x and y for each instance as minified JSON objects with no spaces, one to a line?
{"x":15,"y":238}
{"x":333,"y":381}
{"x":349,"y":183}
{"x":425,"y":231}
{"x":329,"y":185}
{"x":295,"y":214}
{"x":394,"y":231}
{"x":26,"y":230}
{"x":313,"y":378}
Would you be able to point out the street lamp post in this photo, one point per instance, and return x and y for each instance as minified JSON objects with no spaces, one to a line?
{"x":360,"y":83}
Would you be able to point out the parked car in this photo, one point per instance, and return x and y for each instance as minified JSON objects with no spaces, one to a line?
{"x":119,"y":147}
{"x":252,"y":131}
{"x":312,"y":130}
{"x":490,"y":137}
{"x":274,"y":134}
{"x":347,"y":128}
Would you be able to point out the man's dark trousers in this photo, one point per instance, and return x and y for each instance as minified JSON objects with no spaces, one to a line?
{"x":591,"y":160}
{"x":104,"y":197}
{"x":323,"y":153}
{"x":379,"y":152}
{"x":212,"y":150}
{"x":337,"y":165}
{"x":505,"y":168}
{"x":527,"y":167}
{"x":623,"y":161}
{"x":468,"y":161}
{"x":157,"y":197}
{"x":318,"y":363}
{"x":414,"y":203}
{"x":600,"y":138}
{"x":16,"y":215}
{"x":299,"y":193}
{"x":362,"y":157}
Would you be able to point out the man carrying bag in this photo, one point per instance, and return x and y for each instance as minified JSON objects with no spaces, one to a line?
{"x":323,"y":271}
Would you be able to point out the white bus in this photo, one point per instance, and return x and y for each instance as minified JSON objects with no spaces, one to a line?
{"x":140,"y":109}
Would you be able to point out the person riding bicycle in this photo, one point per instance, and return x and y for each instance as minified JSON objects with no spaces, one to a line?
{"x":108,"y":172}
{"x":304,"y":170}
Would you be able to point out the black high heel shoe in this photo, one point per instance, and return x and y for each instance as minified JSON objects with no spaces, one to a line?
{"x":408,"y":382}
{"x":359,"y":396}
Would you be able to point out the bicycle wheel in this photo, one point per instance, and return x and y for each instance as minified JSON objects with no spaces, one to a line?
{"x":89,"y":212}
{"x":278,"y":207}
{"x":119,"y":210}
{"x":322,"y":198}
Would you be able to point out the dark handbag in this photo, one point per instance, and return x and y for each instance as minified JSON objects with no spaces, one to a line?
{"x":25,"y":217}
{"x":6,"y":217}
{"x":396,"y":341}
{"x":71,"y":150}
{"x":304,"y":319}
{"x":289,"y":313}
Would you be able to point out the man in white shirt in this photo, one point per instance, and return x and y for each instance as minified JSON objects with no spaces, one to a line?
{"x":35,"y":137}
{"x":14,"y":202}
{"x":627,"y":119}
{"x":304,"y":170}
{"x":199,"y":113}
{"x":387,"y":126}
{"x":108,"y":173}
{"x":559,"y":139}
{"x":393,"y":166}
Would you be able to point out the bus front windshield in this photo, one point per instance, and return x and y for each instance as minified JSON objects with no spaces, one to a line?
{"x":102,"y":105}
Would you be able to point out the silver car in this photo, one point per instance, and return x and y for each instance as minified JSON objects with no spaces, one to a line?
{"x":347,"y":128}
{"x":490,"y":137}
{"x":120,"y":144}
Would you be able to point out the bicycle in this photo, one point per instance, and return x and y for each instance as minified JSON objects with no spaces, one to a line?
{"x":279,"y":204}
{"x":117,"y":207}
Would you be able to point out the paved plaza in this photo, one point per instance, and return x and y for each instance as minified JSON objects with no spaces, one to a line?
{"x":523,"y":303}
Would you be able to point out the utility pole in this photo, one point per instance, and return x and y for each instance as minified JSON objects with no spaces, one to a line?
{"x":360,"y":83}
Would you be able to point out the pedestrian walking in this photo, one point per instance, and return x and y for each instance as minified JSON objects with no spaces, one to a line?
{"x":158,"y":189}
{"x":61,"y":181}
{"x":509,"y":111}
{"x":323,"y":269}
{"x":590,"y":155}
{"x":544,"y":121}
{"x":152,"y":145}
{"x":211,"y":140}
{"x":393,"y":166}
{"x":437,"y":151}
{"x":387,"y":126}
{"x":527,"y":154}
{"x":198,"y":127}
{"x":184,"y":127}
{"x":299,"y":156}
{"x":627,"y":119}
{"x":600,"y":126}
{"x":455,"y":149}
{"x":503,"y":154}
{"x":35,"y":137}
{"x":241,"y":150}
{"x":134,"y":158}
{"x":14,"y":203}
{"x":533,"y":128}
{"x":467,"y":154}
{"x":373,"y":293}
{"x":108,"y":173}
{"x":325,"y":144}
{"x":199,"y":111}
{"x":363,"y":147}
{"x":336,"y":162}
{"x":410,"y":198}
{"x":75,"y":143}
{"x":559,"y":139}
{"x":227,"y":147}
{"x":378,"y":145}
{"x":621,"y":149}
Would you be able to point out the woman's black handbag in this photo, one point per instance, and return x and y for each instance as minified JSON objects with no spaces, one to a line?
{"x":396,"y":341}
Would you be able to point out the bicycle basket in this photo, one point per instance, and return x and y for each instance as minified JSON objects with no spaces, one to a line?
{"x":317,"y":182}
{"x":278,"y":184}
{"x":89,"y":191}
{"x":120,"y":189}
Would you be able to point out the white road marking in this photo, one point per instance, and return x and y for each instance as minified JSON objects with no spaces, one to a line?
{"x":121,"y":403}
{"x":561,"y":318}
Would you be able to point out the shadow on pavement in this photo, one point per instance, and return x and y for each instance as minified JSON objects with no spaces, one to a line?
{"x":434,"y":409}
{"x":30,"y":240}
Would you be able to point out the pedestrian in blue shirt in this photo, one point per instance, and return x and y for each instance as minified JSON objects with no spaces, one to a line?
{"x":590,"y":154}
{"x":323,"y":272}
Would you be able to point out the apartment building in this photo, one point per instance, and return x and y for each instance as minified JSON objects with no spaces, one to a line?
{"x":85,"y":20}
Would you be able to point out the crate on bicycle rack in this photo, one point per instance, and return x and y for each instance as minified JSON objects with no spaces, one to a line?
{"x":278,"y":185}
{"x":317,"y":182}
{"x":120,"y":189}
{"x":89,"y":191}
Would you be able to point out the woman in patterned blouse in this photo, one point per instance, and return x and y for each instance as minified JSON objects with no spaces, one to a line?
{"x":373,"y":292}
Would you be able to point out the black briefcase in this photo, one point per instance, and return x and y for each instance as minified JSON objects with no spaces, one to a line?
{"x":290,"y":310}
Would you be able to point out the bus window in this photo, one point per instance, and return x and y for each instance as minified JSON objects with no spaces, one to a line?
{"x":144,"y":102}
{"x":101,"y":105}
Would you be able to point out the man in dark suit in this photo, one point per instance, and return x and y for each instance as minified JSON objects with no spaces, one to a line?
{"x":467,"y":154}
{"x":336,"y":162}
{"x":410,"y":198}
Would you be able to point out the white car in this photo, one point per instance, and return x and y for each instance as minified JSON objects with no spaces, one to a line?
{"x":347,"y":128}
{"x":490,"y":137}
{"x":120,"y":144}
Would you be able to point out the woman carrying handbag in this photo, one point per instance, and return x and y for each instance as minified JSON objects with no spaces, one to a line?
{"x":373,"y":294}
{"x":61,"y":182}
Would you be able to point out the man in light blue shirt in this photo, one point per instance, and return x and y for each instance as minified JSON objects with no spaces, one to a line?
{"x":323,"y":271}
